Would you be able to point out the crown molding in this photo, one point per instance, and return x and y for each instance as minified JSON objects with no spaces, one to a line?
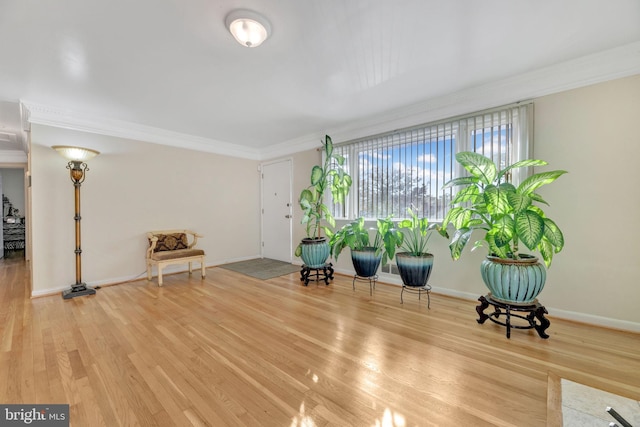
{"x":13,"y":156}
{"x":8,"y":138}
{"x":66,"y":119}
{"x":292,"y":146}
{"x":603,"y":66}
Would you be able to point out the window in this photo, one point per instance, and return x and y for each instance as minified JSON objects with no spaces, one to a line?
{"x":407,"y":168}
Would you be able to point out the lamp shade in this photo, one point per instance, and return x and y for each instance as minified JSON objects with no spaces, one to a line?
{"x":249,"y":28}
{"x":77,"y":154}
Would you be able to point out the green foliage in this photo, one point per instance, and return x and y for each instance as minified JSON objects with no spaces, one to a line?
{"x":417,"y":233}
{"x":355,"y":236}
{"x":506,"y":214}
{"x":331,"y":176}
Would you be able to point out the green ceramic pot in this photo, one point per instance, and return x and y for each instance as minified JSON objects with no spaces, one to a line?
{"x":366,"y":261}
{"x":514,"y":281}
{"x":414,"y":270}
{"x":315,"y":252}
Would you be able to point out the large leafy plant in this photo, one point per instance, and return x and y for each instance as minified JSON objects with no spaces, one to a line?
{"x":331,"y":175}
{"x":355,"y":236}
{"x":507,"y":214}
{"x":417,"y":232}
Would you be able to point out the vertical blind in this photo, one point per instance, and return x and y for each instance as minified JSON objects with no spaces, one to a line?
{"x":407,"y":168}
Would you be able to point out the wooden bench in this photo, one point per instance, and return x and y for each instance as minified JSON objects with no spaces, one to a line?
{"x":168,"y":247}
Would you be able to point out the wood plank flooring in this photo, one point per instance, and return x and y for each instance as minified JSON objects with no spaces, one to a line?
{"x":230,"y":350}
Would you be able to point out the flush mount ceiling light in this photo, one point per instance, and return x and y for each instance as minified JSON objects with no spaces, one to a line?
{"x":249,"y":28}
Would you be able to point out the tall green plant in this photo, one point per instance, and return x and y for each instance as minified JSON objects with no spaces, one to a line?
{"x":331,"y":175}
{"x":507,"y":215}
{"x":417,"y":233}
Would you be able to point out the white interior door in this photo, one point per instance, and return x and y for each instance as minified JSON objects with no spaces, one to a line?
{"x":277,"y":210}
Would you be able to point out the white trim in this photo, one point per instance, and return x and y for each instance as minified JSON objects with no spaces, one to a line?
{"x":607,"y":65}
{"x":605,"y":322}
{"x":297,"y":145}
{"x":590,"y":319}
{"x":13,"y":156}
{"x":66,"y":119}
{"x":140,"y":277}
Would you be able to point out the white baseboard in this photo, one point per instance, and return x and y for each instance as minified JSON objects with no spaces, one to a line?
{"x":48,"y":292}
{"x":171,"y":269}
{"x":383,"y":278}
{"x":590,"y":319}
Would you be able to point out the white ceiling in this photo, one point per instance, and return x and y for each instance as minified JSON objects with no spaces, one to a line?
{"x":169,"y":69}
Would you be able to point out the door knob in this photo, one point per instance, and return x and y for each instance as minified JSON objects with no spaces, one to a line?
{"x":288,"y":216}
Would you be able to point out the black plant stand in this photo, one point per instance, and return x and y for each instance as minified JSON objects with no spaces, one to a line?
{"x":535,"y":310}
{"x":320,"y":273}
{"x":371,"y":279}
{"x":417,"y":290}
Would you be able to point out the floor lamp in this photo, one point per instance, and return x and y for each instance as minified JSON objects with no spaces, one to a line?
{"x":77,"y":166}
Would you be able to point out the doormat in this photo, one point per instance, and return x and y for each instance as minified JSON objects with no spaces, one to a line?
{"x":262,"y":268}
{"x":584,"y":406}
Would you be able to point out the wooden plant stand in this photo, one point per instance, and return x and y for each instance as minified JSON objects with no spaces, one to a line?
{"x":535,"y":311}
{"x":320,"y":273}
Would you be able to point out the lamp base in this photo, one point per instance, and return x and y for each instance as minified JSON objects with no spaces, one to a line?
{"x":78,"y":290}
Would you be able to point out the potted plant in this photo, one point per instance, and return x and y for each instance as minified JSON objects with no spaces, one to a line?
{"x":366,"y":255}
{"x":415,"y":262}
{"x":329,"y":176}
{"x":507,"y":216}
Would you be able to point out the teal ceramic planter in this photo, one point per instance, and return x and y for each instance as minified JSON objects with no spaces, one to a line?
{"x":514,"y":281}
{"x":414,"y":270}
{"x":366,"y":261}
{"x":315,"y":252}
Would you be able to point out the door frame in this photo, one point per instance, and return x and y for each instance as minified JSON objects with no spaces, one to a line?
{"x":26,"y":186}
{"x":288,"y":160}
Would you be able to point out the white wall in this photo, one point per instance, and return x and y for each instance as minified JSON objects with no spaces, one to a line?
{"x":133,"y":187}
{"x":593,"y":133}
{"x":302,"y":164}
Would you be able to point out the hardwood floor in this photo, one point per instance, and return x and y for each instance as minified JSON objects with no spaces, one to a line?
{"x":230,"y":350}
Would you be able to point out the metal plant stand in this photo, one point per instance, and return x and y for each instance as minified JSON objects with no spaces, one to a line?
{"x":535,"y":311}
{"x":417,"y":290}
{"x":371,"y":279}
{"x":320,"y":273}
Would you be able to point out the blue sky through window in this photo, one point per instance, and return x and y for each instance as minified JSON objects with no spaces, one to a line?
{"x":408,"y":168}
